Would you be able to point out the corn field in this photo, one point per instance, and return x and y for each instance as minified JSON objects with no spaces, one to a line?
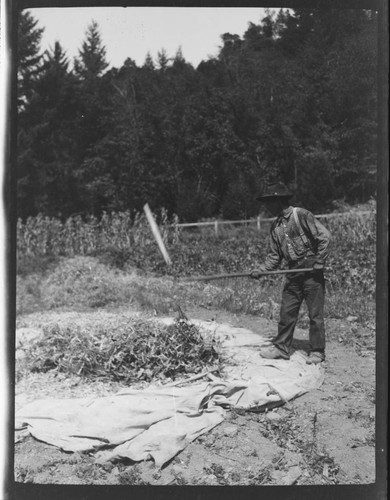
{"x":43,"y":236}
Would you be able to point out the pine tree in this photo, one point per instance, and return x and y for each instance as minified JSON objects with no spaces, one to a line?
{"x":47,"y":141}
{"x":94,"y":91}
{"x":55,"y":59}
{"x":179,"y":58}
{"x":148,"y":64}
{"x":92,"y":56}
{"x":162,"y":59}
{"x":28,"y":56}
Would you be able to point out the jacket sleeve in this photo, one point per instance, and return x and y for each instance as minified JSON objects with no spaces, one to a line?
{"x":319,"y":234}
{"x":274,"y":256}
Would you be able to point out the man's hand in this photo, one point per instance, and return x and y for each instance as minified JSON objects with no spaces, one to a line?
{"x":318,"y":265}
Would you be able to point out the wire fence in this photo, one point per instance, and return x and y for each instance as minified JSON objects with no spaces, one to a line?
{"x":217,"y":224}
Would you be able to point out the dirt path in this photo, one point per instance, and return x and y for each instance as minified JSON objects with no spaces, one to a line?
{"x":324,"y":437}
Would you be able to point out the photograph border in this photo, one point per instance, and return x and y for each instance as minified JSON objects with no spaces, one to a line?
{"x":378,"y":490}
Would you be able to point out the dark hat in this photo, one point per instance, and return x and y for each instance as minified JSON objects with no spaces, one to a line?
{"x":272,"y":191}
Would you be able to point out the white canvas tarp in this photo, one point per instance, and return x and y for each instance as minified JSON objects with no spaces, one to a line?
{"x":160,"y":421}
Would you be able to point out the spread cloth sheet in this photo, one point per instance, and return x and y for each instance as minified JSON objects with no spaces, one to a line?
{"x":159,"y":421}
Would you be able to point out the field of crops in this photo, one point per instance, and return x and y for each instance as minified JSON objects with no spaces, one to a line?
{"x":118,"y":242}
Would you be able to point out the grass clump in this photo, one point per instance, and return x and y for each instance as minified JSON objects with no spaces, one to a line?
{"x":141,"y":351}
{"x":34,"y":264}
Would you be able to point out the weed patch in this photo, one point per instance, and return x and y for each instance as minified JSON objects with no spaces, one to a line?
{"x":260,"y":478}
{"x":287,"y":434}
{"x":131,"y":476}
{"x":24,"y":474}
{"x":218,"y":471}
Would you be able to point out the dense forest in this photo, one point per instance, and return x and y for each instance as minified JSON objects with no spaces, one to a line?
{"x":294,"y":98}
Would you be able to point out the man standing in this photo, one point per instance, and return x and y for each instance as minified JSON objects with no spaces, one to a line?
{"x":300,"y":240}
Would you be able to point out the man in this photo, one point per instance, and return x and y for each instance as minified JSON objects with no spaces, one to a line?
{"x":300,"y":240}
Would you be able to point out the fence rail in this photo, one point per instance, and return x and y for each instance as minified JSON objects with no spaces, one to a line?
{"x":259,"y":220}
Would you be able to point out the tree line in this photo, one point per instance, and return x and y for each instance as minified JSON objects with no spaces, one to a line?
{"x":293,"y":99}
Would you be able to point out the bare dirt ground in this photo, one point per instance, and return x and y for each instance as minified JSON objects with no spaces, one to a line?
{"x":324,"y":437}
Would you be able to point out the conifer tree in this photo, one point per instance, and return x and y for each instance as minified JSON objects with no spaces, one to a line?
{"x":47,"y":141}
{"x":92,"y":56}
{"x":28,"y":56}
{"x":149,"y":64}
{"x":162,"y":59}
{"x":179,"y":58}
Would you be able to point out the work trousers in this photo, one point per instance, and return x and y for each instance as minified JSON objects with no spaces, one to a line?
{"x":310,"y":287}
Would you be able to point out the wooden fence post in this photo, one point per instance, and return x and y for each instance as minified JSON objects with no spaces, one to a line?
{"x":216,"y":228}
{"x":258,"y":223}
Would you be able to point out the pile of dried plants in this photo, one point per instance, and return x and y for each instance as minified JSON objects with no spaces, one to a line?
{"x":143,"y":350}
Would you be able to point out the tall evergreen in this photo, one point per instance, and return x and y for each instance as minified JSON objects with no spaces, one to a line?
{"x":93,"y":91}
{"x":47,"y":141}
{"x":29,"y":56}
{"x":149,"y":63}
{"x":92,"y":56}
{"x":162,"y":59}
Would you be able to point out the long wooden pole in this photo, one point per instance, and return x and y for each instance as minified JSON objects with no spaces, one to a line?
{"x":246,"y":274}
{"x":157,"y":235}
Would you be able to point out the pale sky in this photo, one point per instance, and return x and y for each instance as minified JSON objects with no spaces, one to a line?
{"x":133,"y":31}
